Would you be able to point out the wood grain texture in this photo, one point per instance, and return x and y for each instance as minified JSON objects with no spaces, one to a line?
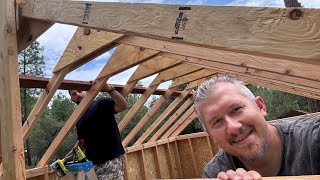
{"x":29,"y":30}
{"x":192,"y":77}
{"x":256,"y":30}
{"x":125,"y":57}
{"x":136,"y":107}
{"x":13,"y":163}
{"x":153,"y":66}
{"x":172,"y":118}
{"x":147,"y":116}
{"x":254,"y":64}
{"x":174,"y":72}
{"x":178,"y":122}
{"x":83,"y":43}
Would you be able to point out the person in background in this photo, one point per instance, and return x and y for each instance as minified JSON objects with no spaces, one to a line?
{"x":98,"y":133}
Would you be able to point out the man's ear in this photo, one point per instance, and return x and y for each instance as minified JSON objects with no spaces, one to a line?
{"x":261,"y":106}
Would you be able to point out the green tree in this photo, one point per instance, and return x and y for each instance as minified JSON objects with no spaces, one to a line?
{"x":279,"y":103}
{"x":31,"y":63}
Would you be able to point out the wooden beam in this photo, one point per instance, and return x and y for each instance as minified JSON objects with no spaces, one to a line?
{"x":127,"y":55}
{"x":10,"y":117}
{"x":147,"y":116}
{"x":183,"y":125}
{"x":168,"y":110}
{"x":178,"y":81}
{"x":310,"y":177}
{"x":267,"y":32}
{"x":294,"y":73}
{"x":162,"y":77}
{"x":168,"y":155}
{"x":173,"y":117}
{"x":153,"y":66}
{"x":178,"y":123}
{"x":136,"y":107}
{"x":177,"y":159}
{"x":29,"y":30}
{"x":174,"y":72}
{"x":206,"y":55}
{"x":142,"y":165}
{"x":65,"y":64}
{"x":156,"y":161}
{"x":83,"y":43}
{"x":194,"y":161}
{"x":40,"y":82}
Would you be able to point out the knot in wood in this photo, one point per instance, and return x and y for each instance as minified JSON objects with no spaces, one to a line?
{"x":14,"y":148}
{"x":295,"y":14}
{"x":10,"y":51}
{"x":142,"y":48}
{"x":86,"y":31}
{"x":8,"y":28}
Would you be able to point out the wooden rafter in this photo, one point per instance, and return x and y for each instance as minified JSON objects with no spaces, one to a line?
{"x":163,"y":76}
{"x":184,"y":125}
{"x":168,"y":110}
{"x":72,"y":58}
{"x":178,"y":123}
{"x":263,"y":29}
{"x":172,"y":118}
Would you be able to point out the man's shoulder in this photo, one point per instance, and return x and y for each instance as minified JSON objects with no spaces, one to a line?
{"x":299,"y":123}
{"x":220,"y":162}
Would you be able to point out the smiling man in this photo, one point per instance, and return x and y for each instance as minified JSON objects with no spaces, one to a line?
{"x":251,"y":147}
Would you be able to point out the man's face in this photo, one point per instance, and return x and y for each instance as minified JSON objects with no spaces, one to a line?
{"x":235,"y":123}
{"x":77,"y":95}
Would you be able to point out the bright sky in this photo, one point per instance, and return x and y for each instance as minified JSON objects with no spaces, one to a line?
{"x":57,"y":37}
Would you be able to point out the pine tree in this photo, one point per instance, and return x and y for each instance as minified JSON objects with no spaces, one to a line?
{"x":31,"y":63}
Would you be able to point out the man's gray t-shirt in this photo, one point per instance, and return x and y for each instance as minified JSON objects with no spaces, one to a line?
{"x":300,"y":150}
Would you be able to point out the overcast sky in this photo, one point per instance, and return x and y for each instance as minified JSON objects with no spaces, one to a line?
{"x":57,"y":37}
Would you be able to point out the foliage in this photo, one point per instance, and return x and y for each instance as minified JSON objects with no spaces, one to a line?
{"x":279,"y":103}
{"x":31,"y":63}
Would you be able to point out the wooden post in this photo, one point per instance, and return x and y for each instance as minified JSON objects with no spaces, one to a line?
{"x":10,"y":116}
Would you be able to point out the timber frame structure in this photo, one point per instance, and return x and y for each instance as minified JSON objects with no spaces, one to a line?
{"x":277,"y":48}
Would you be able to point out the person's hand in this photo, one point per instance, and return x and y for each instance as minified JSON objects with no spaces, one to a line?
{"x":239,"y":174}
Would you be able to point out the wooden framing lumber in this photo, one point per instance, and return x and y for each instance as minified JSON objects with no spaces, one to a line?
{"x":210,"y":55}
{"x":156,"y":161}
{"x":168,"y":111}
{"x":194,"y":161}
{"x":172,"y":118}
{"x":142,"y":165}
{"x":10,"y":117}
{"x":29,"y":30}
{"x":83,"y":43}
{"x":153,"y":66}
{"x":184,"y":125}
{"x":263,"y":29}
{"x":174,"y":72}
{"x":40,"y":82}
{"x":286,"y":70}
{"x":181,"y":80}
{"x":147,"y":116}
{"x":135,"y":108}
{"x":178,"y":123}
{"x":67,"y":63}
{"x":162,"y":77}
{"x":127,"y":55}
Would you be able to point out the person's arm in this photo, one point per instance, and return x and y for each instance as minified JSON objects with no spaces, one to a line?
{"x":239,"y":173}
{"x":120,"y":103}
